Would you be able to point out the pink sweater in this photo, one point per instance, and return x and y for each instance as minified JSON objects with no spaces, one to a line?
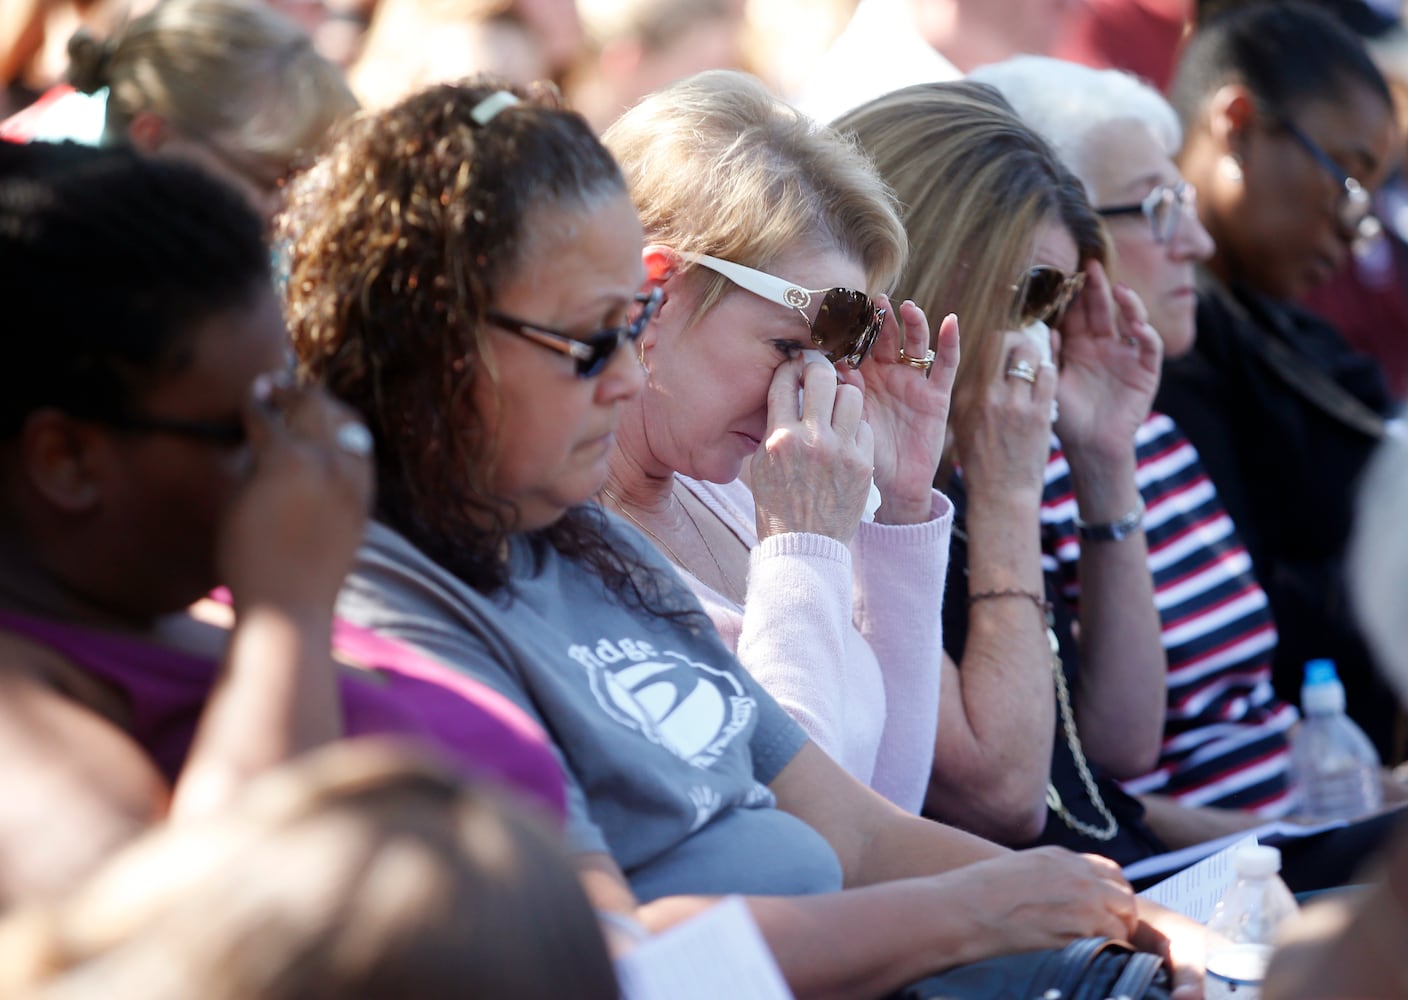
{"x":849,"y":640}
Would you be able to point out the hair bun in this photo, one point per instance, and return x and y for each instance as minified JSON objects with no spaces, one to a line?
{"x":88,"y":61}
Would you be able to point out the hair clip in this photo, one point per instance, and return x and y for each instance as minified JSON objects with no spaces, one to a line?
{"x":485,"y":111}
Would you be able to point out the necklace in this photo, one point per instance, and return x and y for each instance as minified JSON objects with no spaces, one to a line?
{"x":723,"y":578}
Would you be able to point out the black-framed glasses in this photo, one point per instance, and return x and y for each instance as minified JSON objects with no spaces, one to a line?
{"x":1354,"y":211}
{"x":1044,"y":293}
{"x":846,"y":323}
{"x":225,"y":434}
{"x":593,"y":351}
{"x":1164,"y":207}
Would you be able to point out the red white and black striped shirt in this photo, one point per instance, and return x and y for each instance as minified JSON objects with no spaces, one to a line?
{"x":1225,"y":735}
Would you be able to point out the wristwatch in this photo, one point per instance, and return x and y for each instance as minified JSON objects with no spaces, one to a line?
{"x":1113,"y":531}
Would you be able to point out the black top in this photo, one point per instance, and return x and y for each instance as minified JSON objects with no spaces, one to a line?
{"x":1287,"y":468}
{"x":1134,"y":840}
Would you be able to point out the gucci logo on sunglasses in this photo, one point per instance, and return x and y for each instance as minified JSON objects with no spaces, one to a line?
{"x":845,"y":326}
{"x":1045,"y":292}
{"x":593,"y":351}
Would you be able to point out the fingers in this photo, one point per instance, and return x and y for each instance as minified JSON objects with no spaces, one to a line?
{"x":915,"y":339}
{"x":783,"y":408}
{"x":1135,"y":329}
{"x":269,"y":395}
{"x":1026,"y":370}
{"x":847,"y":411}
{"x":281,"y":415}
{"x":947,"y":346}
{"x":1097,"y":308}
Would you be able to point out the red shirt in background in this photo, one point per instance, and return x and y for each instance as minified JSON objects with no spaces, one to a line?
{"x":1141,"y":36}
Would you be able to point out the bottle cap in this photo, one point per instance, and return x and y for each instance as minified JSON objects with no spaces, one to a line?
{"x":1322,"y":693}
{"x":1256,"y":861}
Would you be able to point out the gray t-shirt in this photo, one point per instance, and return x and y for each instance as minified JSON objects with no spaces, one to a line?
{"x":667,"y":743}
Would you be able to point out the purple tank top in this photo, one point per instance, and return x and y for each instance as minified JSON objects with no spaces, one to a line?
{"x":410,"y":694}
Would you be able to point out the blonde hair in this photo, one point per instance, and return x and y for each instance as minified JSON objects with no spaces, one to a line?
{"x":230,"y":68}
{"x":715,"y":164}
{"x":365,"y":871}
{"x":976,"y":185}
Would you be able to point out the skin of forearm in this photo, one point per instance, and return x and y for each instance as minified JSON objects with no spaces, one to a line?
{"x":276,"y":696}
{"x":861,"y":943}
{"x":997,"y":713}
{"x":1120,"y":695}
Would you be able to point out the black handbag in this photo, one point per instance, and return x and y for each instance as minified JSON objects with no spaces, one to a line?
{"x":1094,"y":968}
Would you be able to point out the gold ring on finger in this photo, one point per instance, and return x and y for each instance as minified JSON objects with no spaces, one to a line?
{"x":1022,"y":369}
{"x":924,"y":364}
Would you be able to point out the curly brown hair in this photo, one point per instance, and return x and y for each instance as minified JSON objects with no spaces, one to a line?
{"x":396,"y":242}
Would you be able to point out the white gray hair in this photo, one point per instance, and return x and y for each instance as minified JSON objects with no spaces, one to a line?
{"x":1378,"y":561}
{"x":1065,"y":102}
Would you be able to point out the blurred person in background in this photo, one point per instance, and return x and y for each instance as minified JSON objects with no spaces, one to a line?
{"x":362,"y":871}
{"x":1140,"y":36}
{"x":1368,"y":300}
{"x":152,"y":448}
{"x":33,"y":34}
{"x":230,"y":85}
{"x":1289,"y":128}
{"x":411,"y":44}
{"x":784,"y":38}
{"x":890,"y":44}
{"x":635,"y":47}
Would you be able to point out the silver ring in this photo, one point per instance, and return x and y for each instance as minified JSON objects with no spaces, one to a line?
{"x":1022,"y":369}
{"x":924,"y":364}
{"x":354,"y":439}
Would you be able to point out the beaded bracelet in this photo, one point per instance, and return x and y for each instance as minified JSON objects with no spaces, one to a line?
{"x":1042,"y":604}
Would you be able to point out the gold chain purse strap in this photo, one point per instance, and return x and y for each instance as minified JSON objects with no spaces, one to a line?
{"x":1068,"y":720}
{"x":1068,"y":726}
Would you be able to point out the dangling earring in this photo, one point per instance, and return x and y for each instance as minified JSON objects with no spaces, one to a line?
{"x":1230,"y":166}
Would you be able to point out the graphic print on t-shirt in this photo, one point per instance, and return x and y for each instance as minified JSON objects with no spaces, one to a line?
{"x":691,"y":709}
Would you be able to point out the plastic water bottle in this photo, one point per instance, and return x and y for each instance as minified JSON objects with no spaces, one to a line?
{"x":1243,"y":926}
{"x":1336,"y":766}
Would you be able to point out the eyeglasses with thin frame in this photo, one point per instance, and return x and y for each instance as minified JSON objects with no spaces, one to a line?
{"x":593,"y":351}
{"x":1355,"y":208}
{"x":846,"y":323}
{"x":1164,"y":207}
{"x":1045,"y":292}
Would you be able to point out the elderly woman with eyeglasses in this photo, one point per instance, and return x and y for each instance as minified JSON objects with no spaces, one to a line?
{"x":1225,"y":737}
{"x":765,"y":259}
{"x":1288,"y":126}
